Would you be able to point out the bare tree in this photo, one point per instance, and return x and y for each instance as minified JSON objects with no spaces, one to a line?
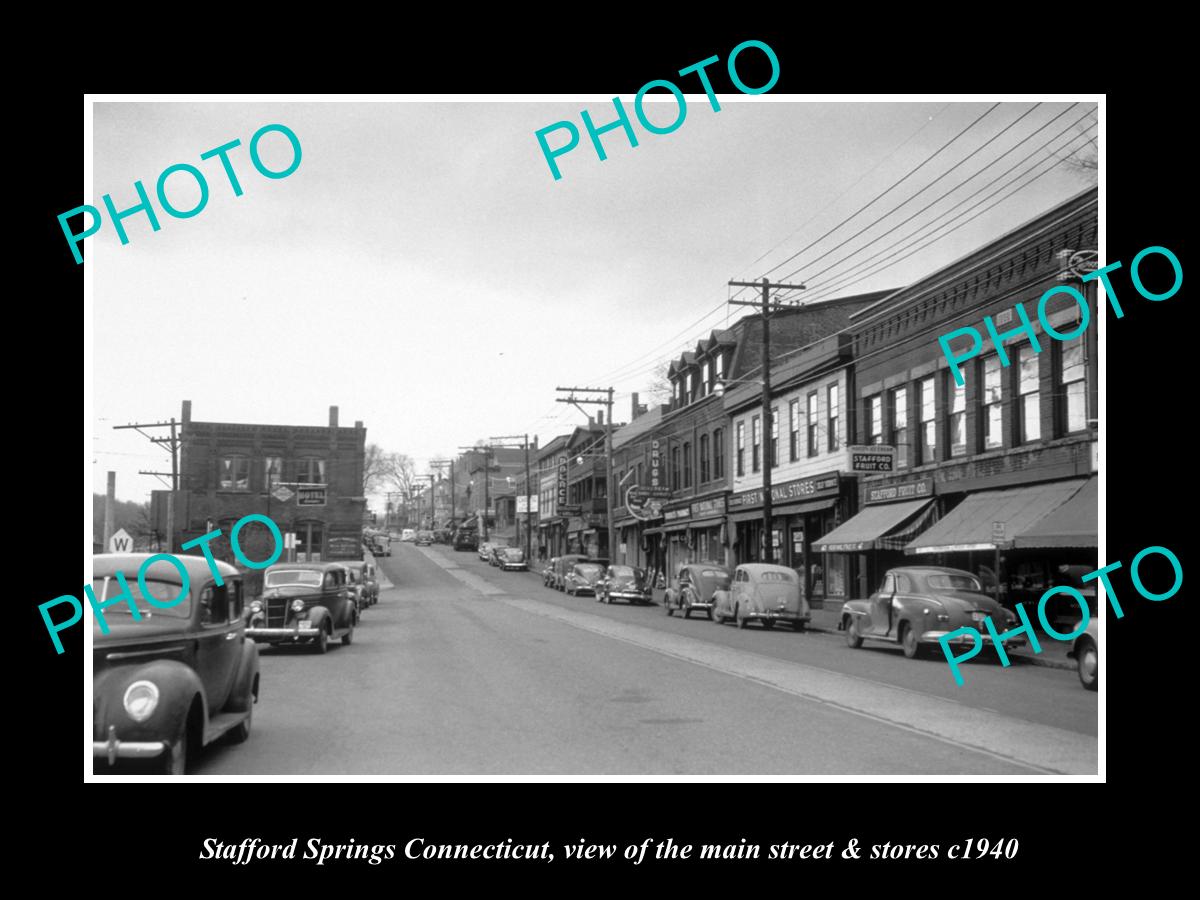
{"x":1084,"y":162}
{"x":374,"y":468}
{"x":399,"y":472}
{"x":659,"y":388}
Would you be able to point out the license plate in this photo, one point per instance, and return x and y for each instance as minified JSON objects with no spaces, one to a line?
{"x":978,"y":616}
{"x":305,"y":623}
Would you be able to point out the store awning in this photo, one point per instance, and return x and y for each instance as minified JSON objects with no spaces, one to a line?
{"x":707,"y":523}
{"x":799,"y":509}
{"x":863,"y":531}
{"x":1074,"y":524}
{"x":657,"y":529}
{"x":746,"y":516}
{"x":969,"y":525}
{"x":675,"y":526}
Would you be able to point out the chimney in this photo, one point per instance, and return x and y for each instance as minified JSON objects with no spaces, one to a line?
{"x":600,"y":417}
{"x":186,"y":416}
{"x":635,"y":412}
{"x":333,"y":417}
{"x":358,"y":424}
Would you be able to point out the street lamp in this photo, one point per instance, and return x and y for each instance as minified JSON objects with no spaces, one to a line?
{"x":768,"y":457}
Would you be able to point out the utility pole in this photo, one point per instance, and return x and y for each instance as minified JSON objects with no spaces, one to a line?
{"x":173,"y":443}
{"x":110,"y":500}
{"x":524,"y":439}
{"x":768,"y":450}
{"x":608,"y":448}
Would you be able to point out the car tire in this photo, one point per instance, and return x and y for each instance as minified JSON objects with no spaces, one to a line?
{"x":348,"y":637}
{"x":320,"y":644}
{"x":853,"y":638}
{"x":908,"y":639}
{"x":667,"y":604}
{"x":240,"y":733}
{"x":1088,"y":665}
{"x":175,"y":760}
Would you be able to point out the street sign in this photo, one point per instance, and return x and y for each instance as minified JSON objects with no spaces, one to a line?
{"x":282,"y":494}
{"x":998,"y":533}
{"x":310,"y":496}
{"x":872,"y":458}
{"x":120,"y":542}
{"x":533,"y":502}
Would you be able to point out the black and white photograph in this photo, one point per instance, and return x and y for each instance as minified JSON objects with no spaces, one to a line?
{"x":702,"y":433}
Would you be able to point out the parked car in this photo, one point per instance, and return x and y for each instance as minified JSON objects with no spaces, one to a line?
{"x":693,"y":588}
{"x":365,"y":574}
{"x":548,"y":571}
{"x":424,"y":538}
{"x":582,"y":578}
{"x":408,"y":535}
{"x":512,"y":559}
{"x":916,"y":605}
{"x":466,"y":540}
{"x":626,"y":583}
{"x":764,"y":593}
{"x":380,"y":545}
{"x":562,"y":566}
{"x":1086,"y":652}
{"x":485,"y":550}
{"x":178,"y":678}
{"x":305,"y":603}
{"x":357,"y":589}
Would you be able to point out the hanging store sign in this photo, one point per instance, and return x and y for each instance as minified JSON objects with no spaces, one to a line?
{"x":872,"y":458}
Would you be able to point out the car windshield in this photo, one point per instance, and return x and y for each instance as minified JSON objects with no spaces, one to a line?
{"x":304,"y":577}
{"x":589,"y":570}
{"x":514,"y":554}
{"x":721,"y":579}
{"x":955,"y":582}
{"x":624,"y":572}
{"x":776,"y":576}
{"x":162,"y":591}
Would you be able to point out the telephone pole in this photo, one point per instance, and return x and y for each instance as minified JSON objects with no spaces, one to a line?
{"x":608,"y":448}
{"x":524,"y":439}
{"x":768,"y":449}
{"x":173,"y":443}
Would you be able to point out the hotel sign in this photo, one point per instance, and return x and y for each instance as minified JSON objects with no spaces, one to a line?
{"x":910,"y":490}
{"x":310,"y":496}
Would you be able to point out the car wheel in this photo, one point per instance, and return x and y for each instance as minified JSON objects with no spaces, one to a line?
{"x":174,"y":760}
{"x":908,"y":638}
{"x":241,"y":732}
{"x":739,"y":618}
{"x":348,"y":637}
{"x":321,"y":643}
{"x":853,"y":638}
{"x":768,"y":624}
{"x":667,"y":604}
{"x":1089,"y":665}
{"x":800,"y":626}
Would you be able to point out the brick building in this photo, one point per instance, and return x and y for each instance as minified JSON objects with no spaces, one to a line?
{"x":307,"y":479}
{"x":979,"y":466}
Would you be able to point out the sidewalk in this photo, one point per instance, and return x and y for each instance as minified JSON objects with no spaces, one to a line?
{"x":1053,"y":655}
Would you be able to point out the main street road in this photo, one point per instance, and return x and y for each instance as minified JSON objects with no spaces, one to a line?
{"x":465,"y":670}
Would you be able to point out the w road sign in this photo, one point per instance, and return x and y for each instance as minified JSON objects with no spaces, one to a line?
{"x":120,"y":542}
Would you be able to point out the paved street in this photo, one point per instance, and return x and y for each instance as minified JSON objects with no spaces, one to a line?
{"x":464,"y":670}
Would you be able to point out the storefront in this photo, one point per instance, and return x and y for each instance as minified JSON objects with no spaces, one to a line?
{"x":706,"y":530}
{"x":552,"y":535}
{"x":802,"y":511}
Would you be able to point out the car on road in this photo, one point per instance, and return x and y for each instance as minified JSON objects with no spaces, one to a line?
{"x":764,"y":593}
{"x":1085,"y":650}
{"x":304,"y":603}
{"x":628,"y":583}
{"x":364,"y":573}
{"x":692,"y":589}
{"x":582,"y":578}
{"x":512,"y":559}
{"x":174,"y":678}
{"x":485,"y":550}
{"x":917,"y":605}
{"x":424,"y":538}
{"x":408,"y":535}
{"x":562,"y":565}
{"x":380,"y":545}
{"x":466,"y":540}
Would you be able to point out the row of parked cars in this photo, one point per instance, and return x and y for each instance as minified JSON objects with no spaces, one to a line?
{"x":172,"y":677}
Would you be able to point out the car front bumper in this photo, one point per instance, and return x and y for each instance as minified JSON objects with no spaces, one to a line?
{"x":516,"y":567}
{"x":775,"y":615}
{"x":277,"y":635}
{"x":963,"y":640}
{"x":113,"y":749}
{"x":628,"y":595}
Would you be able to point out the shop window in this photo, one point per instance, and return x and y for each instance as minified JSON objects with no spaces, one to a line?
{"x":235,"y":473}
{"x":928,"y":423}
{"x":741,"y":449}
{"x":957,"y":419}
{"x":1073,"y":374}
{"x":310,"y":541}
{"x":900,"y":425}
{"x":794,"y":426}
{"x":992,"y":408}
{"x":755,"y":442}
{"x":875,"y":419}
{"x":1029,"y":409}
{"x":812,"y":424}
{"x":833,"y":414}
{"x":719,"y":453}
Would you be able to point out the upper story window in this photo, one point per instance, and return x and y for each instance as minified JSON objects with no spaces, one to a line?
{"x":928,"y":422}
{"x":1073,"y":375}
{"x":687,"y":464}
{"x":900,"y":425}
{"x":720,"y":366}
{"x":833,"y":414}
{"x":272,"y":471}
{"x":990,"y":398}
{"x":741,"y":448}
{"x":719,"y":453}
{"x":310,"y":470}
{"x":957,"y":419}
{"x":235,"y":473}
{"x":674,"y":468}
{"x":705,"y":469}
{"x":812,"y":424}
{"x":794,"y":430}
{"x":875,"y":419}
{"x":1029,"y":410}
{"x":775,"y":436}
{"x":692,"y":380}
{"x":706,"y":379}
{"x":755,"y":443}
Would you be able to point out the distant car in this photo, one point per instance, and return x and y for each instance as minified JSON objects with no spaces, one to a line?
{"x":304,"y":603}
{"x":512,"y":559}
{"x":466,"y":540}
{"x":380,"y":545}
{"x":1086,"y":652}
{"x":485,"y":550}
{"x":408,"y":535}
{"x":693,"y":588}
{"x":366,"y":574}
{"x":495,"y":558}
{"x":562,"y":566}
{"x":582,"y":578}
{"x":424,"y":538}
{"x":763,"y":593}
{"x":916,"y":605}
{"x":627,"y":583}
{"x":180,"y":676}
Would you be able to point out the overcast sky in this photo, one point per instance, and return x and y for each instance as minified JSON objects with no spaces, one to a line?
{"x":423,"y":271}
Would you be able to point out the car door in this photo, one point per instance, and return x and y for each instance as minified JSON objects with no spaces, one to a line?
{"x":881,"y":607}
{"x":218,"y":644}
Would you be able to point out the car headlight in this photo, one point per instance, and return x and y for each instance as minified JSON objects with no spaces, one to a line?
{"x":297,"y":605}
{"x":141,"y":699}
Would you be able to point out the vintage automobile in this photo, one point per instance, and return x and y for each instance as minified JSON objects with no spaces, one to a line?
{"x":408,"y":535}
{"x":177,"y":678}
{"x":627,"y":583}
{"x":548,"y":571}
{"x":466,"y":540}
{"x":381,"y":545}
{"x":916,"y":605}
{"x":693,"y":588}
{"x":1085,"y":650}
{"x":424,"y":538}
{"x":512,"y":559}
{"x":582,"y":578}
{"x":762,"y":592}
{"x":485,"y":550}
{"x":363,"y":574}
{"x":306,"y":603}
